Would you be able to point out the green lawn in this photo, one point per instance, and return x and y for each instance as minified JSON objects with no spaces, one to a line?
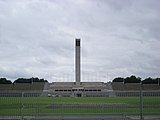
{"x":77,"y":105}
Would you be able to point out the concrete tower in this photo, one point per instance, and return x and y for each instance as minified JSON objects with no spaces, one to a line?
{"x":77,"y":62}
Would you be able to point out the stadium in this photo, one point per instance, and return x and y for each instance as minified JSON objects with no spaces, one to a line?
{"x":79,"y":100}
{"x":78,"y":88}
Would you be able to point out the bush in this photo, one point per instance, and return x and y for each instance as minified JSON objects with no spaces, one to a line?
{"x":118,"y":79}
{"x":132,"y":79}
{"x":151,"y":81}
{"x":29,"y":80}
{"x":5,"y":81}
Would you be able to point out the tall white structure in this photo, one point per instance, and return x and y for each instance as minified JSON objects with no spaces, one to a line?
{"x":77,"y":61}
{"x":78,"y":88}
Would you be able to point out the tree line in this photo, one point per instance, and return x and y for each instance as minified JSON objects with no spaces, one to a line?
{"x":131,"y":79}
{"x":22,"y":80}
{"x":134,"y":79}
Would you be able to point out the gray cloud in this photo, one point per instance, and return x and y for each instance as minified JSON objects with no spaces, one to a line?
{"x":119,"y":38}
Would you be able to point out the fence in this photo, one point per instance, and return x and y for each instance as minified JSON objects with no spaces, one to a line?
{"x":122,"y":104}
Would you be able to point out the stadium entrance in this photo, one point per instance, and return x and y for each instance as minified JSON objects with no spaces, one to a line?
{"x":79,"y":95}
{"x":78,"y":91}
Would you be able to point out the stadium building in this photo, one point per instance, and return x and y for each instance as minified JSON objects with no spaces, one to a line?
{"x":78,"y":88}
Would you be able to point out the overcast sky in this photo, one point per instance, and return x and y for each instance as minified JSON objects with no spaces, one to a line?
{"x":119,"y":38}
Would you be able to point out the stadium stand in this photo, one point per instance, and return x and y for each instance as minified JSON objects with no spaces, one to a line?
{"x":134,"y":86}
{"x":6,"y":86}
{"x":23,"y":86}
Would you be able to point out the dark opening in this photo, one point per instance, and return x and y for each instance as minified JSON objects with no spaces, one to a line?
{"x":77,"y":42}
{"x":79,"y":95}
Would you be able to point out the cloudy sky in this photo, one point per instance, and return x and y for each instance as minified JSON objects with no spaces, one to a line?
{"x":119,"y":38}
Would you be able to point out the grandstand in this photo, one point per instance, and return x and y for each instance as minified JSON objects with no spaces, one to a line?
{"x":71,"y":89}
{"x":23,"y":86}
{"x":134,"y":86}
{"x":6,"y":87}
{"x":150,"y":87}
{"x":87,"y":86}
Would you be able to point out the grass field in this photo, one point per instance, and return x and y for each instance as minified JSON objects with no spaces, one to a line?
{"x":77,"y":105}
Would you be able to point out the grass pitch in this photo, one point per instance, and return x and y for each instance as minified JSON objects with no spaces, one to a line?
{"x":77,"y":105}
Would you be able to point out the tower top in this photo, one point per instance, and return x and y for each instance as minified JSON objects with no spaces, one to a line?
{"x":78,"y":41}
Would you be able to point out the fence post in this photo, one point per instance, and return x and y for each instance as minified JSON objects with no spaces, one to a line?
{"x":22,"y":102}
{"x":61,"y":107}
{"x":141,"y":103}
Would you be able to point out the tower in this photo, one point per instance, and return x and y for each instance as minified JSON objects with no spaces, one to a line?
{"x":77,"y":61}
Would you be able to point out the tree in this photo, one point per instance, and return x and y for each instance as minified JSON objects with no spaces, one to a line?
{"x":22,"y":80}
{"x":158,"y":80}
{"x":150,"y":81}
{"x":29,"y":80}
{"x":5,"y":81}
{"x":118,"y":79}
{"x":132,"y":79}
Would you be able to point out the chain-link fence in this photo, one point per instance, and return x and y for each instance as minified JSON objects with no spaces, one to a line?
{"x":122,"y":104}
